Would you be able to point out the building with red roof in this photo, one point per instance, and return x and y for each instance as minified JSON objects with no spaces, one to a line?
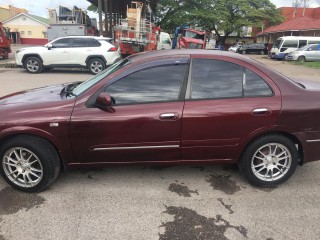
{"x":298,"y":22}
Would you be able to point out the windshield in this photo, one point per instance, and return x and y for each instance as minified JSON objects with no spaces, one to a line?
{"x":277,"y":44}
{"x":89,"y":83}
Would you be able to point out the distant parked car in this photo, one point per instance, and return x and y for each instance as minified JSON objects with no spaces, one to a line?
{"x":309,"y":52}
{"x":257,"y":48}
{"x":93,"y":53}
{"x":235,"y":47}
{"x":163,"y":107}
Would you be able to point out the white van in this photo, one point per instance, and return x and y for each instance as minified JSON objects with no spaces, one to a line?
{"x":164,"y":41}
{"x":284,"y":45}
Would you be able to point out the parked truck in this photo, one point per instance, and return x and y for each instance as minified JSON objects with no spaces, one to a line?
{"x":137,"y":33}
{"x":62,"y":30}
{"x":5,"y":42}
{"x":186,"y":37}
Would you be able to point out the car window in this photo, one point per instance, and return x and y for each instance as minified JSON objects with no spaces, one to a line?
{"x":215,"y":79}
{"x":302,"y":43}
{"x":313,"y":48}
{"x":255,"y":86}
{"x":94,"y":43}
{"x":290,"y":44}
{"x":156,"y":84}
{"x":61,"y":43}
{"x":80,"y":42}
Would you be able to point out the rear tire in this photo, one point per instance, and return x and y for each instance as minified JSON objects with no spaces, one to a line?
{"x":301,"y":59}
{"x":33,"y":65}
{"x":96,"y":65}
{"x":269,"y":161}
{"x":29,"y":163}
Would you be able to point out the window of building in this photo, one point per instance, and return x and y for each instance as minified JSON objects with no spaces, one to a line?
{"x":29,"y":33}
{"x":22,"y":32}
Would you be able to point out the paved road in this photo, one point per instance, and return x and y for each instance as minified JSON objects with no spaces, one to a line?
{"x":211,"y":202}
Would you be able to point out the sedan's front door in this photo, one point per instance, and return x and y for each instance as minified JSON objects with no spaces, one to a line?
{"x":59,"y":54}
{"x":143,"y":124}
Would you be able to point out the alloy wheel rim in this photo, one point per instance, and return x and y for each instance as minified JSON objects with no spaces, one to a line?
{"x":22,"y":167}
{"x":96,"y":67}
{"x":33,"y":65}
{"x":271,"y":162}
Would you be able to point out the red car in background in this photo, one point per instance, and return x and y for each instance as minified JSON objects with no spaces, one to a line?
{"x":163,"y":107}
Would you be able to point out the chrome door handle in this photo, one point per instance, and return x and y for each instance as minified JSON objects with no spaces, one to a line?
{"x":261,"y":111}
{"x":169,"y":116}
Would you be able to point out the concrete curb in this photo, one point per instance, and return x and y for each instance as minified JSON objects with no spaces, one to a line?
{"x":10,"y":64}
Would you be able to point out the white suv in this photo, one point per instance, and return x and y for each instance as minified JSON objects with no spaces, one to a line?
{"x":93,"y":53}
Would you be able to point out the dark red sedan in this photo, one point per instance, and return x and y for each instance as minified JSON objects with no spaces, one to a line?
{"x":163,"y":107}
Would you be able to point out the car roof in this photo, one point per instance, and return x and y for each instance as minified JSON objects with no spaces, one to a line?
{"x":163,"y":54}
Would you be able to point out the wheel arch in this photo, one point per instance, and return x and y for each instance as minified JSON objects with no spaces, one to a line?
{"x":291,"y":137}
{"x":7,"y":137}
{"x":24,"y":58}
{"x":89,"y":58}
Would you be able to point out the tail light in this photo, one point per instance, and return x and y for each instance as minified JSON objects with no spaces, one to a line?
{"x":113,"y":49}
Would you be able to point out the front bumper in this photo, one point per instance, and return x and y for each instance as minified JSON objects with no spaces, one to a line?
{"x":279,"y":55}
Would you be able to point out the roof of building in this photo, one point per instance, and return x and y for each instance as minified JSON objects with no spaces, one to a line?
{"x":291,"y":12}
{"x":296,"y":24}
{"x":41,"y":20}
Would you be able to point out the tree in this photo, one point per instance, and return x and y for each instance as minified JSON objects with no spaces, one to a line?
{"x":221,"y":16}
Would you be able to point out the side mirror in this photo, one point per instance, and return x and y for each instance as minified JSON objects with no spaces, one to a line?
{"x":104,"y":100}
{"x":49,"y":46}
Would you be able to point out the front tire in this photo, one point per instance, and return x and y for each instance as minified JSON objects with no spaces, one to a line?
{"x":96,"y":65}
{"x":29,"y":163}
{"x":33,"y":65}
{"x":269,"y":161}
{"x":301,"y":59}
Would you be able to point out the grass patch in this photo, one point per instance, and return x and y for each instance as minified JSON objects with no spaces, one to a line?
{"x":308,"y":64}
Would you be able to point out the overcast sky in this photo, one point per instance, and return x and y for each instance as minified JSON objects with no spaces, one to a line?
{"x":40,"y":7}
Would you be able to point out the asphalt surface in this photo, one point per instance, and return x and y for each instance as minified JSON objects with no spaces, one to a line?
{"x":187,"y":203}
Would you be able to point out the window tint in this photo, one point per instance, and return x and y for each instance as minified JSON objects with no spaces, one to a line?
{"x":213,"y":79}
{"x":290,"y":44}
{"x":157,"y":84}
{"x":61,"y":43}
{"x":313,"y":41}
{"x":94,"y":43}
{"x":216,"y":79}
{"x":302,"y":43}
{"x":80,"y":42}
{"x":255,"y":86}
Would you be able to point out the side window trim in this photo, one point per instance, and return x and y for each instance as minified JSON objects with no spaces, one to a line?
{"x":185,"y":59}
{"x":188,"y":94}
{"x":180,"y":90}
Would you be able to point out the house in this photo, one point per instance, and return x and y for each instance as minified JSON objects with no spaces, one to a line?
{"x":298,"y":22}
{"x":28,"y":29}
{"x":8,"y":11}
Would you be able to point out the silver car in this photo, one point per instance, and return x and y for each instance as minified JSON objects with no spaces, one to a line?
{"x":309,"y":52}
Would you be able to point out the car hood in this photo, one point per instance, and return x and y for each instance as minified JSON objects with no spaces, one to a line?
{"x":38,"y":95}
{"x":32,"y":49}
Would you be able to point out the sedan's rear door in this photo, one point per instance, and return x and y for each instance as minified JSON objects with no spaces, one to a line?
{"x":227,"y":101}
